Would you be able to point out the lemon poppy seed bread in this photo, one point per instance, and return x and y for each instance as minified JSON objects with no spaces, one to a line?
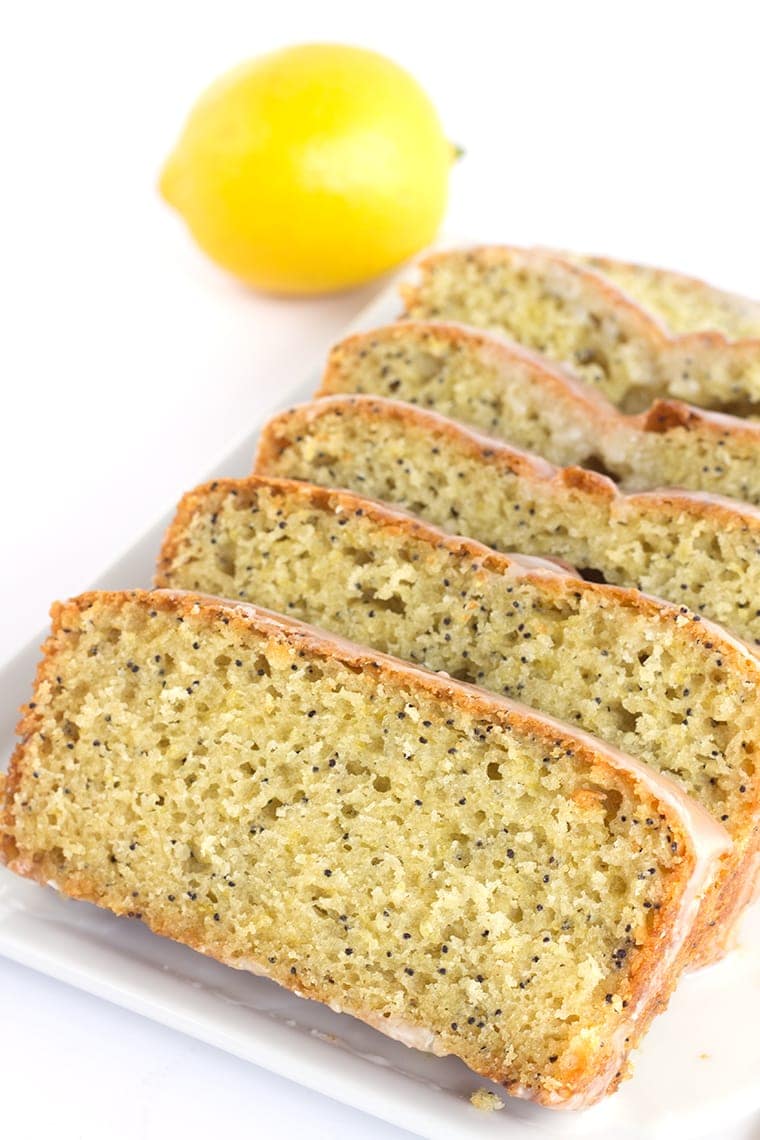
{"x":692,"y":549}
{"x":684,"y":304}
{"x":483,"y":380}
{"x":582,"y":320}
{"x":678,"y":693}
{"x":460,"y":872}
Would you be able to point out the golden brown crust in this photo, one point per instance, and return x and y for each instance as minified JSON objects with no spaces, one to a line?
{"x":738,"y":889}
{"x":603,"y":763}
{"x":664,"y":415}
{"x":587,"y":482}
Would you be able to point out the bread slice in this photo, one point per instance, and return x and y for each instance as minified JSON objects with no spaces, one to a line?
{"x":684,"y":304}
{"x":493,"y":384}
{"x":674,"y":691}
{"x":454,"y":869}
{"x":582,"y":320}
{"x":695,"y":550}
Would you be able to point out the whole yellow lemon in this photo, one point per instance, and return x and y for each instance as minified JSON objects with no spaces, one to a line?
{"x":311,"y":169}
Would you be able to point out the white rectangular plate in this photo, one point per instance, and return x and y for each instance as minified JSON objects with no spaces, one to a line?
{"x":696,"y":1075}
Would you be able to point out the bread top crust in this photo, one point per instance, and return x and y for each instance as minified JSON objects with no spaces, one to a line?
{"x":663,"y":415}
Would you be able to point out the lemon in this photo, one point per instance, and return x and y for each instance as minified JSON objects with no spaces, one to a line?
{"x":311,"y":169}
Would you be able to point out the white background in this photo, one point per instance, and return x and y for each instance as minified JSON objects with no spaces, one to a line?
{"x":129,"y":366}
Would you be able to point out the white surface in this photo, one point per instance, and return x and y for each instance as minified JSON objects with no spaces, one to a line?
{"x":129,"y":366}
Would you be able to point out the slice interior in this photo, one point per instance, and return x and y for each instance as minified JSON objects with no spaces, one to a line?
{"x":455,"y":870}
{"x":675,"y":692}
{"x":697,"y":551}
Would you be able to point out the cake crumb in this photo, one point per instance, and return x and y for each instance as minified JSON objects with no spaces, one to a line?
{"x":486,"y":1101}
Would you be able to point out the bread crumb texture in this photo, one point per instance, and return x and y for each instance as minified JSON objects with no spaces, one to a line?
{"x":684,"y":304}
{"x":642,"y":675}
{"x":423,"y":857}
{"x":500,"y":388}
{"x":583,"y":321}
{"x":486,"y":1101}
{"x":688,"y":549}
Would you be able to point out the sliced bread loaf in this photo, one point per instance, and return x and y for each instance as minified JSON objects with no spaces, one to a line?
{"x":684,"y":304}
{"x":646,"y":676}
{"x":457,"y":871}
{"x":583,"y":321}
{"x":493,"y":384}
{"x":695,"y":550}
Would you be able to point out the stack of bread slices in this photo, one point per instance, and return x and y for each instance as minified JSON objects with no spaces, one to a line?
{"x":503,"y":787}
